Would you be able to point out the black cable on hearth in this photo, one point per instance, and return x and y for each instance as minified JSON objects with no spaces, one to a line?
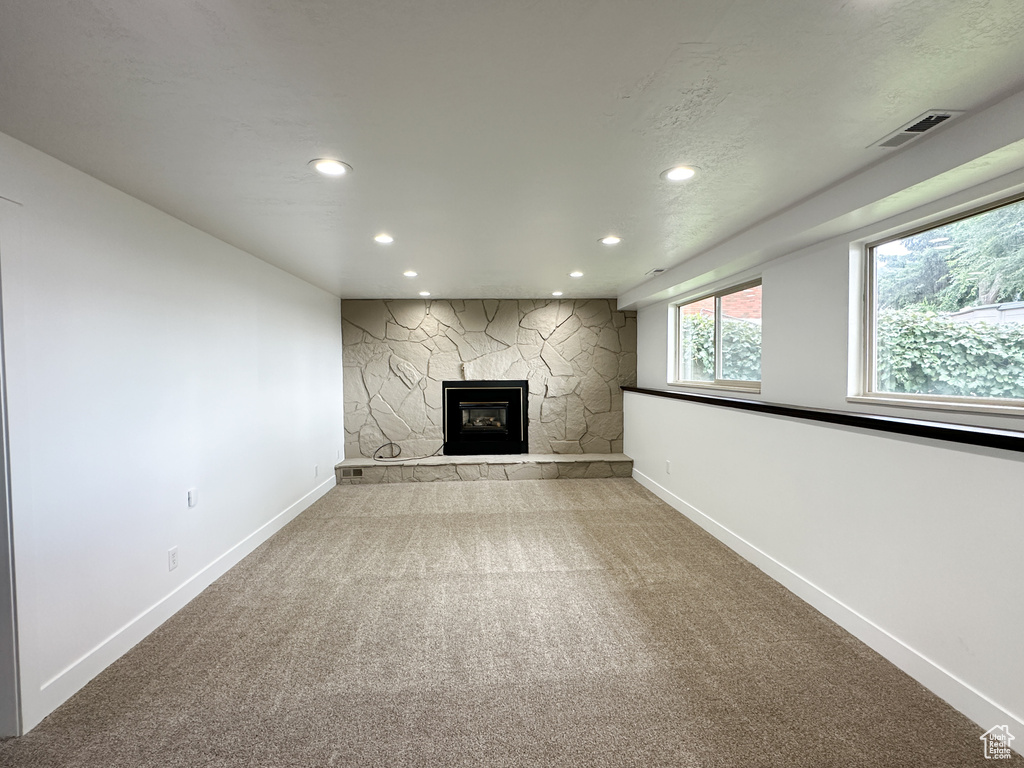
{"x":396,"y":453}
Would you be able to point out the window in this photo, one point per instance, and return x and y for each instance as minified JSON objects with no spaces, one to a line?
{"x":946,"y":311}
{"x":719,"y":339}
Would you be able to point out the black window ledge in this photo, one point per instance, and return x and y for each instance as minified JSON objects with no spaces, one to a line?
{"x":1004,"y":439}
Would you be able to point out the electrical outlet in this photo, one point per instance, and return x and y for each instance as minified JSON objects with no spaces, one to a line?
{"x":172,"y":558}
{"x":668,"y":467}
{"x":192,"y":497}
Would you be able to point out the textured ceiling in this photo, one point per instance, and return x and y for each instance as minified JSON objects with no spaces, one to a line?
{"x":495,"y":141}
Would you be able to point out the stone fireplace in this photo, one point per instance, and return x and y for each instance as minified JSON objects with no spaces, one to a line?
{"x":573,"y":354}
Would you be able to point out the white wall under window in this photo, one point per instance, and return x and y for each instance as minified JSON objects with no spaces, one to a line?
{"x":145,"y":358}
{"x":911,"y":545}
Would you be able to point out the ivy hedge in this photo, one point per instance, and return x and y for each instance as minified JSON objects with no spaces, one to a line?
{"x":922,"y":352}
{"x":918,"y":352}
{"x":741,"y":345}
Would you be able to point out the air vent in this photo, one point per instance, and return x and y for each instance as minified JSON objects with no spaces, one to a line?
{"x":917,"y":127}
{"x":656,"y":271}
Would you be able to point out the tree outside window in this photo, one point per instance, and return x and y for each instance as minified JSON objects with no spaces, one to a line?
{"x":948,"y":309}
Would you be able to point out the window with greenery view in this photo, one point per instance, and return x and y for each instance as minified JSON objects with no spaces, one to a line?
{"x":719,"y":339}
{"x":947,"y":310}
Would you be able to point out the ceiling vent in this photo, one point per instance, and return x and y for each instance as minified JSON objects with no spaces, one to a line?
{"x":655,"y":271}
{"x":917,"y":127}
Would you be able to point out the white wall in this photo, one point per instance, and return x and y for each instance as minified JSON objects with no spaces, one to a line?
{"x":912,"y":545}
{"x":145,"y":358}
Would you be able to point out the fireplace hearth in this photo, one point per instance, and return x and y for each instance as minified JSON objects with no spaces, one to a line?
{"x":485,"y":417}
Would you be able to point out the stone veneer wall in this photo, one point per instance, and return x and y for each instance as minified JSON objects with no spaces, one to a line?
{"x":575,"y":354}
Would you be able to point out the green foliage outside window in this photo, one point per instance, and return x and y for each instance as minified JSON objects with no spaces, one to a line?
{"x":924,"y":279}
{"x":922,"y":352}
{"x":741,"y":348}
{"x":971,"y":262}
{"x":698,"y":330}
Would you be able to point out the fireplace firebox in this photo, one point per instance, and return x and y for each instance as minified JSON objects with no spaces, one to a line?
{"x":485,"y":417}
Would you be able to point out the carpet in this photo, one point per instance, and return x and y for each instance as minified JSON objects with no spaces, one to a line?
{"x":532,"y":623}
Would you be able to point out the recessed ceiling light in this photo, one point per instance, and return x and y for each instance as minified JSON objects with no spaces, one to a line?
{"x":385,"y":238}
{"x":424,"y":293}
{"x":576,"y":274}
{"x":330,"y":167}
{"x":679,"y":173}
{"x":611,"y":240}
{"x":556,"y":293}
{"x":409,"y":273}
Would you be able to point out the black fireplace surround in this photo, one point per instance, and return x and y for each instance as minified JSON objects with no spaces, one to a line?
{"x":485,"y":417}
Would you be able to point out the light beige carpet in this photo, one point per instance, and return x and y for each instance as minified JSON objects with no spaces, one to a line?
{"x":533,"y":623}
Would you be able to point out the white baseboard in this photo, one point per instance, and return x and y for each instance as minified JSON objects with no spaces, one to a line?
{"x":72,"y":678}
{"x":957,"y":693}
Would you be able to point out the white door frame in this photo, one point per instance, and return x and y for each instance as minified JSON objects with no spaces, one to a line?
{"x":10,"y":698}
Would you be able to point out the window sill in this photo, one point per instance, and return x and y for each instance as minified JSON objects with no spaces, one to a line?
{"x":1004,"y":408}
{"x":753,"y":388}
